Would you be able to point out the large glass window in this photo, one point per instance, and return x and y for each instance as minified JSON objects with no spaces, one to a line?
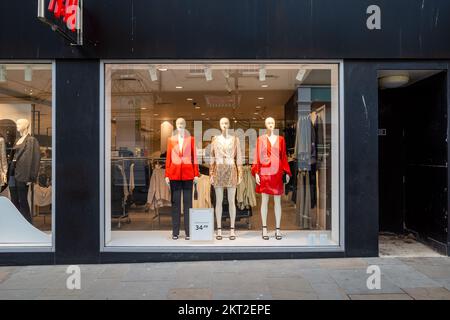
{"x":26,"y":179}
{"x":222,"y":155}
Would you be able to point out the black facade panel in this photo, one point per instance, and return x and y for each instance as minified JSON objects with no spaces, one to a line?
{"x":77,"y":161}
{"x":361,"y":159}
{"x":243,"y":29}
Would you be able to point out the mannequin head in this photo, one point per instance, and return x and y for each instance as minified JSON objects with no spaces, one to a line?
{"x":224,"y":125}
{"x":181,"y":125}
{"x":23,"y":126}
{"x":270,"y":125}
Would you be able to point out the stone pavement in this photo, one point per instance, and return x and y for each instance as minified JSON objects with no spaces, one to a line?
{"x":402,"y":278}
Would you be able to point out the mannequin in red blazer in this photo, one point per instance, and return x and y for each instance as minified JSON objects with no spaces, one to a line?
{"x":269,"y":167}
{"x":181,"y":172}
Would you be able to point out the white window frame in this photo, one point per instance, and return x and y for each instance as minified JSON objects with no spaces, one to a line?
{"x":4,"y":248}
{"x":105,"y":201}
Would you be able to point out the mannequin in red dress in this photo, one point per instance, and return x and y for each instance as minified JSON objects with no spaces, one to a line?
{"x":269,"y":167}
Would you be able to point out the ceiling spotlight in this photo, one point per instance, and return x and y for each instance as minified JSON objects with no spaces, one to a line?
{"x":258,"y":107}
{"x":254,"y":118}
{"x":28,"y":74}
{"x":143,"y":108}
{"x":208,"y":73}
{"x":203,"y":114}
{"x":255,"y":113}
{"x":197,"y":107}
{"x":190,"y":99}
{"x":260,"y":98}
{"x":155,"y":114}
{"x":302,"y":74}
{"x":178,"y":87}
{"x":162,"y":69}
{"x":153,"y":73}
{"x":3,"y":73}
{"x":262,"y":73}
{"x":264,"y":86}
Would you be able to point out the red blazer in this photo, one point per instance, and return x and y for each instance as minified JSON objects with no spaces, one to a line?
{"x":270,"y":163}
{"x":181,"y":165}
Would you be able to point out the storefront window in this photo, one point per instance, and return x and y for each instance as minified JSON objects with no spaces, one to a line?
{"x":222,"y":155}
{"x":26,"y":179}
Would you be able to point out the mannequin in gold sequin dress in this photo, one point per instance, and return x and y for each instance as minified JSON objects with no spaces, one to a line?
{"x":225,"y":172}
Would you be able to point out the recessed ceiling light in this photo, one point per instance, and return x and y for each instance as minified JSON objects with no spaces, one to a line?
{"x":254,"y":118}
{"x":162,"y":69}
{"x":260,"y":98}
{"x":256,"y":113}
{"x":258,"y":107}
{"x":189,"y":99}
{"x":207,"y":118}
{"x":143,"y":108}
{"x":235,"y":121}
{"x":197,"y":107}
{"x":264,"y":86}
{"x":179,"y":87}
{"x":155,"y":114}
{"x":203,"y":114}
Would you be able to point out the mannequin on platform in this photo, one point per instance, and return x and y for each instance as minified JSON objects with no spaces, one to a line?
{"x":225,"y":172}
{"x":24,"y":168}
{"x":271,"y":170}
{"x":181,"y":173}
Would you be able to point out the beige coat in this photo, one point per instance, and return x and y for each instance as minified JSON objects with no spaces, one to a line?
{"x":159,"y":191}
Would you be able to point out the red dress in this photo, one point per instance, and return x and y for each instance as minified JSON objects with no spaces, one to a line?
{"x":270,"y":163}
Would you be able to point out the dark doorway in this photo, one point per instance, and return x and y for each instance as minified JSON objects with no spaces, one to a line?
{"x":413,"y":158}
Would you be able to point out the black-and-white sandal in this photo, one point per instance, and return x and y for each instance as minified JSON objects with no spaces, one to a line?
{"x":278,"y":234}
{"x":262,"y":232}
{"x":217,"y":236}
{"x":232,"y":237}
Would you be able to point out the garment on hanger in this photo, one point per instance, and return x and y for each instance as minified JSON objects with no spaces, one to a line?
{"x":159,"y":192}
{"x":119,"y":190}
{"x":181,"y":161}
{"x":132,"y":185}
{"x":305,"y":146}
{"x":270,"y":164}
{"x":245,"y":193}
{"x":204,"y":193}
{"x":42,"y":196}
{"x":304,"y":200}
{"x":226,"y":162}
{"x":3,"y":163}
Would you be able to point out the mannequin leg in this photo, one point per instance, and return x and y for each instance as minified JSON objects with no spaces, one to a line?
{"x":175,"y":189}
{"x":277,"y":200}
{"x":187,"y":204}
{"x":232,"y":209}
{"x":219,"y":200}
{"x":264,"y":209}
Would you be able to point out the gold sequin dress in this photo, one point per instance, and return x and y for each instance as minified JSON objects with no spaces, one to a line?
{"x":226,"y":162}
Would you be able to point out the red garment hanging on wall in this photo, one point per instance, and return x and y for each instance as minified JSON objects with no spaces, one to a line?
{"x":270,"y":163}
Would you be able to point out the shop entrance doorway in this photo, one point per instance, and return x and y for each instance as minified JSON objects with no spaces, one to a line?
{"x":413,"y":164}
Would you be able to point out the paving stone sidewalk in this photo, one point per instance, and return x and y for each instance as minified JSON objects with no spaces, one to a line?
{"x":336,"y":279}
